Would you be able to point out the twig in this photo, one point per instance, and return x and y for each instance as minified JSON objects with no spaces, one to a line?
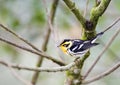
{"x":44,"y":46}
{"x":41,"y":69}
{"x":103,"y":51}
{"x":115,"y":22}
{"x":86,"y":8}
{"x":40,"y":59}
{"x":18,"y":76}
{"x":110,"y":51}
{"x":35,"y":52}
{"x":48,"y":17}
{"x":12,"y":32}
{"x":116,"y":66}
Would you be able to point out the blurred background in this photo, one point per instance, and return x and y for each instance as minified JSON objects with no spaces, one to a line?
{"x":28,"y":18}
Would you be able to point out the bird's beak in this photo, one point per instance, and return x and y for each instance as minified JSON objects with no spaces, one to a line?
{"x":58,"y":46}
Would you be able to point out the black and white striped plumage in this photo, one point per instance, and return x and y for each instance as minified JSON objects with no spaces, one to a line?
{"x":77,"y":47}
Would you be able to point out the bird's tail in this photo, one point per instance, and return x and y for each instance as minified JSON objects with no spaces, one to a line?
{"x":97,"y":36}
{"x":101,"y":33}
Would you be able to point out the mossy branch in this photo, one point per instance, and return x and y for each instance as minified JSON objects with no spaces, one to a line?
{"x":76,"y":12}
{"x":97,"y":11}
{"x":75,"y":78}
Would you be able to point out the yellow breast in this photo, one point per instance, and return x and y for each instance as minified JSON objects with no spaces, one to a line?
{"x":63,"y":49}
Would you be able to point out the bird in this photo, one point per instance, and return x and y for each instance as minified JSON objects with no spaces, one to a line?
{"x":78,"y":47}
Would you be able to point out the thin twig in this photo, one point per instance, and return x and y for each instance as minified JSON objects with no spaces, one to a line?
{"x":48,"y":16}
{"x":86,"y":8}
{"x":27,"y":42}
{"x":103,"y":51}
{"x":116,"y":66}
{"x":110,"y":51}
{"x":35,"y":52}
{"x":41,"y":69}
{"x":46,"y":40}
{"x":115,"y":22}
{"x":16,"y":75}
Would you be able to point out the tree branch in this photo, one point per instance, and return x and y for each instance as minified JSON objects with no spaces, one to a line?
{"x":88,"y":32}
{"x":116,"y":66}
{"x":35,"y":52}
{"x":97,"y":11}
{"x":27,"y":42}
{"x":41,"y":69}
{"x":74,"y":74}
{"x":76,"y":12}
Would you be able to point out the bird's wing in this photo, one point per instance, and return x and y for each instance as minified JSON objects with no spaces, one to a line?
{"x":79,"y":47}
{"x":87,"y":46}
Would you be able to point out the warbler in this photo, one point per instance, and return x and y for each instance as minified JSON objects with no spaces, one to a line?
{"x":78,"y":47}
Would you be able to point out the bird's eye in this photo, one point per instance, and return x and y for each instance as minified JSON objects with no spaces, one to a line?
{"x":66,"y":45}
